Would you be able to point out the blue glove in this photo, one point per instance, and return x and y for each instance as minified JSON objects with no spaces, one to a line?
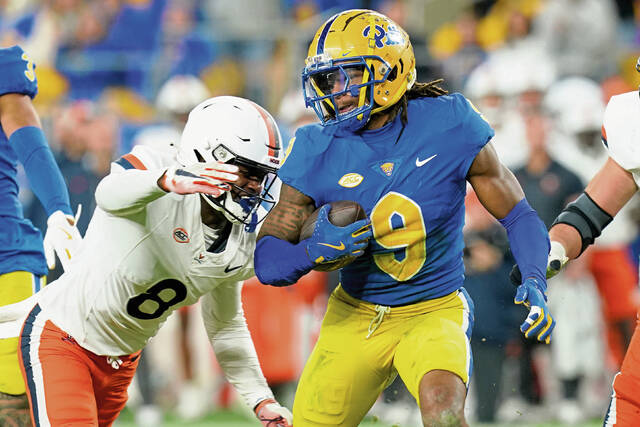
{"x":330,"y":242}
{"x":539,"y":321}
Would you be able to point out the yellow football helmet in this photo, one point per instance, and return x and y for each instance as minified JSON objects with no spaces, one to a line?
{"x":364,"y":43}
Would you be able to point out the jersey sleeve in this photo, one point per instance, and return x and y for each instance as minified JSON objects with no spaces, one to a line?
{"x":132,"y":183}
{"x":621,"y":131}
{"x":298,"y":161}
{"x":142,"y":158}
{"x":476,"y":132}
{"x":18,"y":72}
{"x":229,"y":335}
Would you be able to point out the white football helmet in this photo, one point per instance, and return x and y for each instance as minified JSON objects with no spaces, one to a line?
{"x":181,"y":93}
{"x":577,"y":104}
{"x":237,"y":131}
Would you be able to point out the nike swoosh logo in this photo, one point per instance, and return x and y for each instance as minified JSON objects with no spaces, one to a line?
{"x":420,"y":163}
{"x":229,"y":270}
{"x":339,"y":247}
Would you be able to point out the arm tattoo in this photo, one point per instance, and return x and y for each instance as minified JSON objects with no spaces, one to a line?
{"x":286,"y":218}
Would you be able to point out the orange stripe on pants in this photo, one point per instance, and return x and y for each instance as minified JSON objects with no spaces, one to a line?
{"x":625,"y":407}
{"x":67,"y":384}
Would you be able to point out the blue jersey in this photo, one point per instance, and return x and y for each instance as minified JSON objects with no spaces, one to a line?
{"x":411,"y":180}
{"x":20,"y":241}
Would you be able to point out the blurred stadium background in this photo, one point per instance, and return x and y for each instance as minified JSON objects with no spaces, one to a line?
{"x":115,"y":73}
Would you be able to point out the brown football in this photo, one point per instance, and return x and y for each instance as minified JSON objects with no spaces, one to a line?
{"x":342,"y":213}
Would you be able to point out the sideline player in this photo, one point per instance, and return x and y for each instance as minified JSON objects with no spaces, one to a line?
{"x":23,"y":265}
{"x":405,"y":151}
{"x":166,"y":232}
{"x":582,"y":221}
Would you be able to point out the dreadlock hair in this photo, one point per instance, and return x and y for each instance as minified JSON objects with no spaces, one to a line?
{"x":418,"y":90}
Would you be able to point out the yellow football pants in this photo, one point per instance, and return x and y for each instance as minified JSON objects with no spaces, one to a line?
{"x":347,"y":370}
{"x":15,"y":286}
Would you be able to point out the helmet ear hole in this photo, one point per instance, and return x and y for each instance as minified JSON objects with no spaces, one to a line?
{"x":393,"y":74}
{"x":199,"y":156}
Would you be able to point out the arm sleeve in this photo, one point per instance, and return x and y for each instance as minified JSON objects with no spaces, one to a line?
{"x":227,"y":329}
{"x":130,"y":186}
{"x":30,"y":145}
{"x":280,"y":263}
{"x":529,"y":241}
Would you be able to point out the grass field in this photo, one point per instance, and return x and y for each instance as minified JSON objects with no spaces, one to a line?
{"x":235,"y":419}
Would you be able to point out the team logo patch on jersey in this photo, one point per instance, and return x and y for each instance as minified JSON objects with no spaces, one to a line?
{"x":351,"y":180}
{"x":387,"y":168}
{"x":180,"y":235}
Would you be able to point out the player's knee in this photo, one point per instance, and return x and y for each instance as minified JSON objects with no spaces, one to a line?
{"x":14,"y":410}
{"x":442,"y":405}
{"x":445,"y":418}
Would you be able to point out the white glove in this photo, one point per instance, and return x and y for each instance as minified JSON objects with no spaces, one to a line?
{"x":557,"y":259}
{"x":62,"y":238}
{"x":208,"y":178}
{"x":271,"y":414}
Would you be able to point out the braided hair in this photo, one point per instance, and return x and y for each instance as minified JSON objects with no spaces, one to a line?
{"x":418,"y":90}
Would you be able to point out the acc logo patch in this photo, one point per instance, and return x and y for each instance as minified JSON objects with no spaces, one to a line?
{"x":351,"y":180}
{"x":180,"y":235}
{"x":387,"y":168}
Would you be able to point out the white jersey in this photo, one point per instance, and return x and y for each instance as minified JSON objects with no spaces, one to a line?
{"x":143,"y":257}
{"x":621,"y":131}
{"x":135,"y":269}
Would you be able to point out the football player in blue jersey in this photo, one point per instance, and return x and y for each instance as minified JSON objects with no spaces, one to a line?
{"x":23,"y":265}
{"x":405,"y":151}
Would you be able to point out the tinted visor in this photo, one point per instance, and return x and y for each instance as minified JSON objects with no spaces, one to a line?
{"x":338,"y":79}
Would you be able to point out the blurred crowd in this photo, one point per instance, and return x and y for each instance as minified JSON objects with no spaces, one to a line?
{"x":116,"y":73}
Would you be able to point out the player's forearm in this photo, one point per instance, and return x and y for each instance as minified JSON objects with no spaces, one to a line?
{"x":528,"y":240}
{"x":45,"y":178}
{"x":280,"y":263}
{"x":237,"y":357}
{"x":128,"y":191}
{"x":568,"y":237}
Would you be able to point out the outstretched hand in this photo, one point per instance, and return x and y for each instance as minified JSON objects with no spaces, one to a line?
{"x":271,"y":414}
{"x":539,"y":322}
{"x":207,"y":178}
{"x":62,"y":238}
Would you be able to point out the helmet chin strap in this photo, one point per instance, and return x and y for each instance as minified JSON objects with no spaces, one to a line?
{"x":227,"y":207}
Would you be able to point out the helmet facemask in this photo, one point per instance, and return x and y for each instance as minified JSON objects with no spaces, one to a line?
{"x":240,"y":205}
{"x":237,"y":131}
{"x":324,"y":83}
{"x":357,"y":38}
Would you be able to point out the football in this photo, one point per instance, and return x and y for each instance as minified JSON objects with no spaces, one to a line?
{"x":342,"y":213}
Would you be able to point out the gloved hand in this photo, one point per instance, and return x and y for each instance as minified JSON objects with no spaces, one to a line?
{"x":557,"y":259}
{"x":62,"y":238}
{"x":539,"y":322}
{"x":208,"y":178}
{"x":271,"y":414}
{"x":330,"y":242}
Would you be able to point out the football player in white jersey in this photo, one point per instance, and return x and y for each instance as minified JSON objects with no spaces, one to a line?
{"x":583,"y":220}
{"x":167,"y":231}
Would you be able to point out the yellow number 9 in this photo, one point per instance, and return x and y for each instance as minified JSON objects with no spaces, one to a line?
{"x":411,"y":236}
{"x":30,"y":72}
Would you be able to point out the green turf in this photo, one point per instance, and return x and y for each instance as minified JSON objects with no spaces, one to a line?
{"x":235,"y":419}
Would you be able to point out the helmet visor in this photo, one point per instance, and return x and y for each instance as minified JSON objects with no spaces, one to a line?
{"x":338,"y":80}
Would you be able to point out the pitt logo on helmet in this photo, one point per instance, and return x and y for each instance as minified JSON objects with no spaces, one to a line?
{"x":351,"y":180}
{"x":362,"y":54}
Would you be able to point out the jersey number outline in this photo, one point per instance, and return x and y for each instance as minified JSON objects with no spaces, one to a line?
{"x":30,"y":72}
{"x":411,"y":236}
{"x":153,"y":294}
